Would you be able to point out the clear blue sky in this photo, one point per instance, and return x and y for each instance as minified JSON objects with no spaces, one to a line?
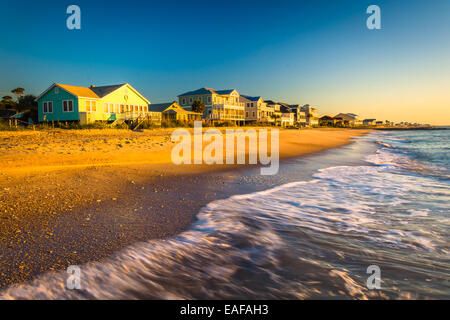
{"x":317,"y":52}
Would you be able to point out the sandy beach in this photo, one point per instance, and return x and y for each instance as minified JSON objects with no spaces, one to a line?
{"x":72,"y":196}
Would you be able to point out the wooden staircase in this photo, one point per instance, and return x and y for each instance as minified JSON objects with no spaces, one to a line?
{"x":117,"y":122}
{"x":137,"y":122}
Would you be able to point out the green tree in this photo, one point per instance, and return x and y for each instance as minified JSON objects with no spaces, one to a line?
{"x":27,"y":102}
{"x":18,"y":92}
{"x":198,"y":106}
{"x":8,"y":103}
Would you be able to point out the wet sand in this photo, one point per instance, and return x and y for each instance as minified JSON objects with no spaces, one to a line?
{"x":69,"y":197}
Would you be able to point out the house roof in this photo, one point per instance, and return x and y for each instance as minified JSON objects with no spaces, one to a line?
{"x":198,"y":91}
{"x":285,"y":109}
{"x":159,"y":107}
{"x":227,"y":91}
{"x":327,"y":118}
{"x":206,"y":91}
{"x":369,"y":119}
{"x":79,"y":91}
{"x":105,"y":90}
{"x":251,"y":98}
{"x":346,"y":116}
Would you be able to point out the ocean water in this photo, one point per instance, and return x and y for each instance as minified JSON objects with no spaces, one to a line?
{"x":307,"y":239}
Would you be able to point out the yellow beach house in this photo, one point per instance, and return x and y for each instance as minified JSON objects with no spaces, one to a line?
{"x":287,"y":116}
{"x":220,"y":105}
{"x":172,"y":111}
{"x":121,"y":102}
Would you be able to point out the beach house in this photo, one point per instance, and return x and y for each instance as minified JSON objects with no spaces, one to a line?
{"x":172,"y":111}
{"x":220,"y":105}
{"x":287,"y":116}
{"x":311,"y":114}
{"x":300,"y":115}
{"x":256,"y":109}
{"x":327,"y":121}
{"x":121,"y":102}
{"x":369,"y":122}
{"x":276,"y":114}
{"x":349,"y":119}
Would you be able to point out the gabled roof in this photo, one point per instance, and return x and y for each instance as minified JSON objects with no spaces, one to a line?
{"x":198,"y":91}
{"x":206,"y":91}
{"x":227,"y":91}
{"x":160,"y":107}
{"x":79,"y":91}
{"x":327,"y":118}
{"x":251,"y":98}
{"x":105,"y":90}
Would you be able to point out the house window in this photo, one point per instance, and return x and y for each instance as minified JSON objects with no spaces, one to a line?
{"x":190,"y":100}
{"x":135,"y":108}
{"x":209,"y":99}
{"x":140,"y":108}
{"x":67,"y":106}
{"x":56,"y":90}
{"x":145,"y":108}
{"x":105,"y":108}
{"x":91,"y":106}
{"x":48,"y":107}
{"x":121,"y":108}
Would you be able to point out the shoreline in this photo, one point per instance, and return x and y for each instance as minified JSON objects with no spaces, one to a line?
{"x":114,"y":210}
